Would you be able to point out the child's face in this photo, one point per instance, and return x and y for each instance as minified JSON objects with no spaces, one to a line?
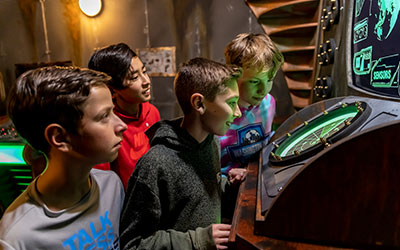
{"x":137,"y":82}
{"x":254,"y":85}
{"x":100,"y":134}
{"x":221,"y":112}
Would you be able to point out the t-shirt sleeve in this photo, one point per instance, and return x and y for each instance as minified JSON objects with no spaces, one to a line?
{"x":5,"y":246}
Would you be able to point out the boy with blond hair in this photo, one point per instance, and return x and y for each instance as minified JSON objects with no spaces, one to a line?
{"x":260,"y":59}
{"x":67,"y":114}
{"x":174,"y":195}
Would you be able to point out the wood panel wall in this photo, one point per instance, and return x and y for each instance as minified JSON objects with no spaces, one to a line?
{"x":292,"y":25}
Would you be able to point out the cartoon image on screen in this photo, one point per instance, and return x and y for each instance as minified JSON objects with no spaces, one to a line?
{"x":375,"y":50}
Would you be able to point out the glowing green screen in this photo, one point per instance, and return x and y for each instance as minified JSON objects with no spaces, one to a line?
{"x":375,"y":49}
{"x":311,"y":134}
{"x":11,"y":154}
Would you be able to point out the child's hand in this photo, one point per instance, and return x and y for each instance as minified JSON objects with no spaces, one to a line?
{"x":220,"y":234}
{"x":237,"y":175}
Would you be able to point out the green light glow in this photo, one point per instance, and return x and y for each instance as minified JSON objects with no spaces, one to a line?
{"x":388,"y":13}
{"x":322,"y":127}
{"x":23,"y":177}
{"x":11,"y":154}
{"x":384,"y":72}
{"x":23,"y":184}
{"x":362,"y":61}
{"x":19,"y":170}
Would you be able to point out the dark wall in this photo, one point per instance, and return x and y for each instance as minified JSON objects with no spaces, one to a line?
{"x":195,"y":27}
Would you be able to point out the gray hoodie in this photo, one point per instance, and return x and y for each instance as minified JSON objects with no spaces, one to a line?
{"x":174,"y":194}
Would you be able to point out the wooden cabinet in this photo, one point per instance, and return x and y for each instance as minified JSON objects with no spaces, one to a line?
{"x":292,"y":25}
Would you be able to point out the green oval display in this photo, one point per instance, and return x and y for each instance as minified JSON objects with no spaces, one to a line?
{"x":323,"y":127}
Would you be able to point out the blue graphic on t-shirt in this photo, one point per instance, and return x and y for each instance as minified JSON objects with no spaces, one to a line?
{"x":102,"y":237}
{"x":251,"y":140}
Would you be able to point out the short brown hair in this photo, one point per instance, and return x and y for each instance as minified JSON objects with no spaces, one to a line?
{"x":203,"y":76}
{"x":248,"y":50}
{"x":50,"y":95}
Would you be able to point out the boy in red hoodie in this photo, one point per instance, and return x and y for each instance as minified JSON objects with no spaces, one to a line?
{"x":131,"y":89}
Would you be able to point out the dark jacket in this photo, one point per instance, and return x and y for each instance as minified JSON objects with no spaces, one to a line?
{"x":174,"y":194}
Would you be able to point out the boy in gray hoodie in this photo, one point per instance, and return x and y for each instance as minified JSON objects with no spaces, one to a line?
{"x":173,"y":200}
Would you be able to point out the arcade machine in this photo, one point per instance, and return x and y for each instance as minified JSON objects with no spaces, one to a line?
{"x":328,"y":179}
{"x":15,"y":173}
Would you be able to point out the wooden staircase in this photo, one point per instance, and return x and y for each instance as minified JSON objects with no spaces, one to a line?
{"x":292,"y":25}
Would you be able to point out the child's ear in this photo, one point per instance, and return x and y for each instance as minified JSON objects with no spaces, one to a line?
{"x":57,"y":137}
{"x":197,"y":102}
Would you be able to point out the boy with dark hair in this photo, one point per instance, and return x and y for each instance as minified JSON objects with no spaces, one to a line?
{"x":67,"y":114}
{"x":131,"y":87}
{"x":174,"y":195}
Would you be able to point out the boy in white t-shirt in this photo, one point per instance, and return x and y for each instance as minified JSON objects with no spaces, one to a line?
{"x":67,"y":114}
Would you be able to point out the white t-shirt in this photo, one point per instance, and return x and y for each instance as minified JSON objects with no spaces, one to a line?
{"x":93,"y":223}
